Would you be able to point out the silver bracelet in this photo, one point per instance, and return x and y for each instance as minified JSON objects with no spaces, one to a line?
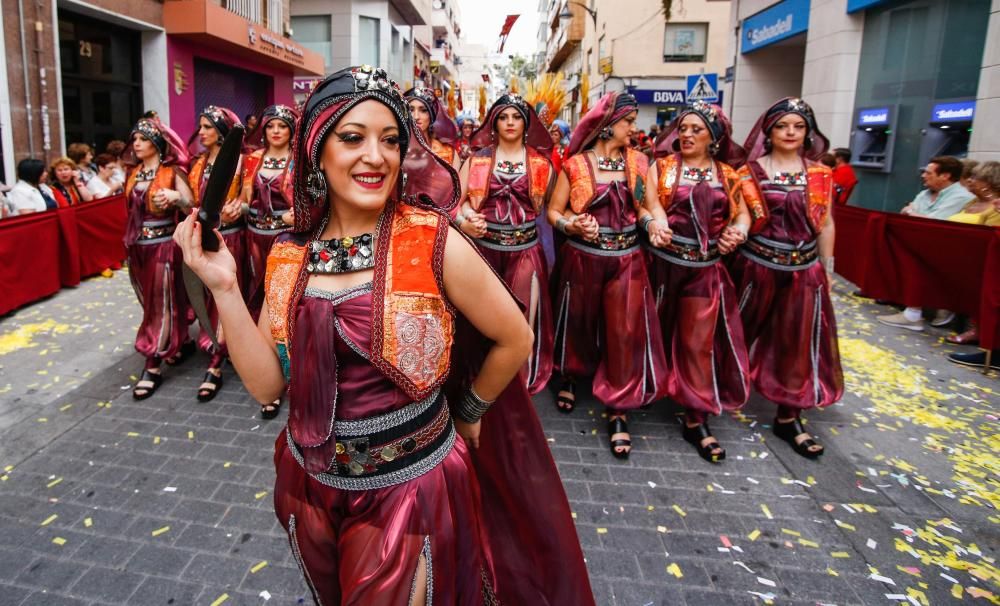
{"x":562,"y":223}
{"x":471,"y":408}
{"x":644,"y":222}
{"x":459,"y":219}
{"x":828,"y":265}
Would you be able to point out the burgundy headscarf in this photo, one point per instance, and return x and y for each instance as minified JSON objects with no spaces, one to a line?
{"x":170,"y":145}
{"x":725,"y":149}
{"x":425,"y":179}
{"x":535,"y":134}
{"x":222,"y":119}
{"x":816,"y":142}
{"x":288,"y":115}
{"x":442,"y":127}
{"x":610,"y":109}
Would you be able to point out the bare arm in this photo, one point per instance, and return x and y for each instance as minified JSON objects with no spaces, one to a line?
{"x":827,"y":238}
{"x":582,"y":225}
{"x":251,"y":348}
{"x":659,"y":229}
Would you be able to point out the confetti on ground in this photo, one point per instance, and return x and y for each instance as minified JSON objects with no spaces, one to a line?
{"x":753,"y":535}
{"x":679,"y":511}
{"x":258,"y":567}
{"x":219,"y":600}
{"x":50,"y":519}
{"x":767,"y":512}
{"x":59,"y":541}
{"x":88,"y":522}
{"x":160,"y":531}
{"x":675,"y":570}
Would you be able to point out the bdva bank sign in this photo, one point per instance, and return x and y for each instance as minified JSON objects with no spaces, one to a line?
{"x":659,"y":97}
{"x":783,"y":20}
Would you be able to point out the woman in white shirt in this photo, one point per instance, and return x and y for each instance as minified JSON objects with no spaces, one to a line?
{"x":25,"y":196}
{"x":104,"y":184}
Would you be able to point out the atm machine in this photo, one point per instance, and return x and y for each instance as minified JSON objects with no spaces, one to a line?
{"x":948,"y":132}
{"x":873,"y":138}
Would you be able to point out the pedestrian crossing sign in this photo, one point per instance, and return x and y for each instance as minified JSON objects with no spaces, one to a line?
{"x":703,"y":87}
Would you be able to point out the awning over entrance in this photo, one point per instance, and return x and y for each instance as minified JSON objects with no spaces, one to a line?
{"x":211,"y":25}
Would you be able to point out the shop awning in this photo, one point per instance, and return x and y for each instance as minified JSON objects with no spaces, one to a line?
{"x":209,"y":24}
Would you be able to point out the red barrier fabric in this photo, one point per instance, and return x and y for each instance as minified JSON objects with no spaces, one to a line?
{"x":101,"y":227}
{"x":43,"y":251}
{"x":30,"y":266}
{"x":923,"y":263}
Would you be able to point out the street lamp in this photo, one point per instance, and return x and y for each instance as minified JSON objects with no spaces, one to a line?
{"x":566,"y":15}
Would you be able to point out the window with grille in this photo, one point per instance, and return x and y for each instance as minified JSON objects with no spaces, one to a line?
{"x":685,"y":42}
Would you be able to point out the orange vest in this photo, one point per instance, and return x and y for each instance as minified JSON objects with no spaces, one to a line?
{"x":668,"y":176}
{"x":251,"y":166}
{"x":481,"y":167}
{"x":819,"y":195}
{"x":583,"y":183}
{"x":194,"y":180}
{"x":407,"y":298}
{"x":164,"y":179}
{"x":443,"y":151}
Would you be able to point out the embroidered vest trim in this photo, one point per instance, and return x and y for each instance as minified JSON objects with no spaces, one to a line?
{"x":164,"y":179}
{"x":412,"y":323}
{"x":481,"y":168}
{"x":443,"y":151}
{"x":251,"y":166}
{"x":819,"y":195}
{"x":583,"y":182}
{"x":668,"y":177}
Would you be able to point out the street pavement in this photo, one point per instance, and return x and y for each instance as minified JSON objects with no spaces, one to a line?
{"x":104,"y":500}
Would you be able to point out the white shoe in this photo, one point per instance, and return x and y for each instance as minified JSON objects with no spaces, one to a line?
{"x":899,"y":321}
{"x":943,"y":317}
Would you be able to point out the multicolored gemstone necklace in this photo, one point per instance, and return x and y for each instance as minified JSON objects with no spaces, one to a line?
{"x":611,"y":164}
{"x":341,"y":255}
{"x":509,"y":168}
{"x":789,"y":179}
{"x":144,"y":174}
{"x":270,"y":163}
{"x":697,"y":175}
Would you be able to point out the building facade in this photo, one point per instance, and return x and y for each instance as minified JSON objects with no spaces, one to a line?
{"x":85,"y":71}
{"x":640,"y":50}
{"x":896,"y":81}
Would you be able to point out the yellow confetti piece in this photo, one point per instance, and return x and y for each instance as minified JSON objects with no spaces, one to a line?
{"x":3,"y":478}
{"x":794,"y":533}
{"x":709,"y":488}
{"x":258,"y":567}
{"x":832,"y":572}
{"x":50,"y":519}
{"x":679,"y":511}
{"x":574,"y":515}
{"x":156,"y":439}
{"x":191,"y":437}
{"x":675,"y":570}
{"x":59,"y":541}
{"x":260,"y":495}
{"x":219,"y":600}
{"x":88,"y":522}
{"x":9,"y":468}
{"x":53,"y":482}
{"x":132,"y":434}
{"x":918,"y":595}
{"x":839,"y":554}
{"x":43,"y":420}
{"x":602,"y":531}
{"x":956,"y":591}
{"x":808,"y":543}
{"x":65,"y":408}
{"x":227,"y":465}
{"x":650,"y":508}
{"x":661,"y":529}
{"x":160,"y":531}
{"x":845,"y":525}
{"x":767,"y":512}
{"x":754,"y":535}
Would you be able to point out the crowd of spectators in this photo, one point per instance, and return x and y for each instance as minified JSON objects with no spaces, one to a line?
{"x":69,"y":180}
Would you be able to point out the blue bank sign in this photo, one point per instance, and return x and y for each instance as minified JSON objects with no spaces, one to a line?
{"x":875,"y":116}
{"x":854,"y":6}
{"x":659,"y":97}
{"x":783,"y":20}
{"x":962,"y":111}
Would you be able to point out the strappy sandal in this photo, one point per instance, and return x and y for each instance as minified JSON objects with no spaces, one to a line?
{"x":205,"y":394}
{"x":969,"y":337}
{"x":271,"y":410}
{"x":153,"y":378}
{"x":789,"y":430}
{"x":713,"y":452}
{"x":187,"y":350}
{"x":616,"y":425}
{"x":563,"y":403}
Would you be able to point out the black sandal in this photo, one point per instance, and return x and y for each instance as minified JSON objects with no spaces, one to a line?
{"x":789,"y":430}
{"x":617,"y":424}
{"x":695,"y":435}
{"x":271,"y":410}
{"x":154,"y":378}
{"x":187,"y":350}
{"x":564,"y":404}
{"x":205,"y":394}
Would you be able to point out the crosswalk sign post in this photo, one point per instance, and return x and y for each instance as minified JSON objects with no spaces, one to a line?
{"x":703,"y":87}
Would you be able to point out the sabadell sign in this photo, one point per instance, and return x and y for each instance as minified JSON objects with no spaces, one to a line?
{"x":781,"y":21}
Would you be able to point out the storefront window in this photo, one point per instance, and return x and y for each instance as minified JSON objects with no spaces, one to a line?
{"x":685,"y":42}
{"x":313,"y":32}
{"x":368,"y":40}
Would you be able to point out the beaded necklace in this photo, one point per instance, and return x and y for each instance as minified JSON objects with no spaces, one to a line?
{"x":341,"y":255}
{"x":789,"y":179}
{"x":144,"y":174}
{"x":509,"y":168}
{"x":697,"y":175}
{"x":270,"y":163}
{"x":611,"y":164}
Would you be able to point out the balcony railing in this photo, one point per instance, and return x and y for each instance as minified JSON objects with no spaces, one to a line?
{"x":255,"y":11}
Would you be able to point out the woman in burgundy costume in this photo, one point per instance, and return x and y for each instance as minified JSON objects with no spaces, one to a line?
{"x":156,"y":192}
{"x":606,"y":322}
{"x":506,"y":184}
{"x":696,"y":215}
{"x":382,"y":504}
{"x":267,"y":190}
{"x":781,"y":275}
{"x":214,"y":123}
{"x":431,"y":117}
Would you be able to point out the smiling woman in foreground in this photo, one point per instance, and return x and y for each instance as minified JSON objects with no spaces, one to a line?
{"x":381,"y":501}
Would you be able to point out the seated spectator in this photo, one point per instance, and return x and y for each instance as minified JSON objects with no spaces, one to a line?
{"x":984,"y":183}
{"x":944,"y":195}
{"x":968,"y":165}
{"x":116,"y":148}
{"x":844,"y":179}
{"x":26,"y":197}
{"x":83,"y":155}
{"x":104,"y":183}
{"x":66,"y":184}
